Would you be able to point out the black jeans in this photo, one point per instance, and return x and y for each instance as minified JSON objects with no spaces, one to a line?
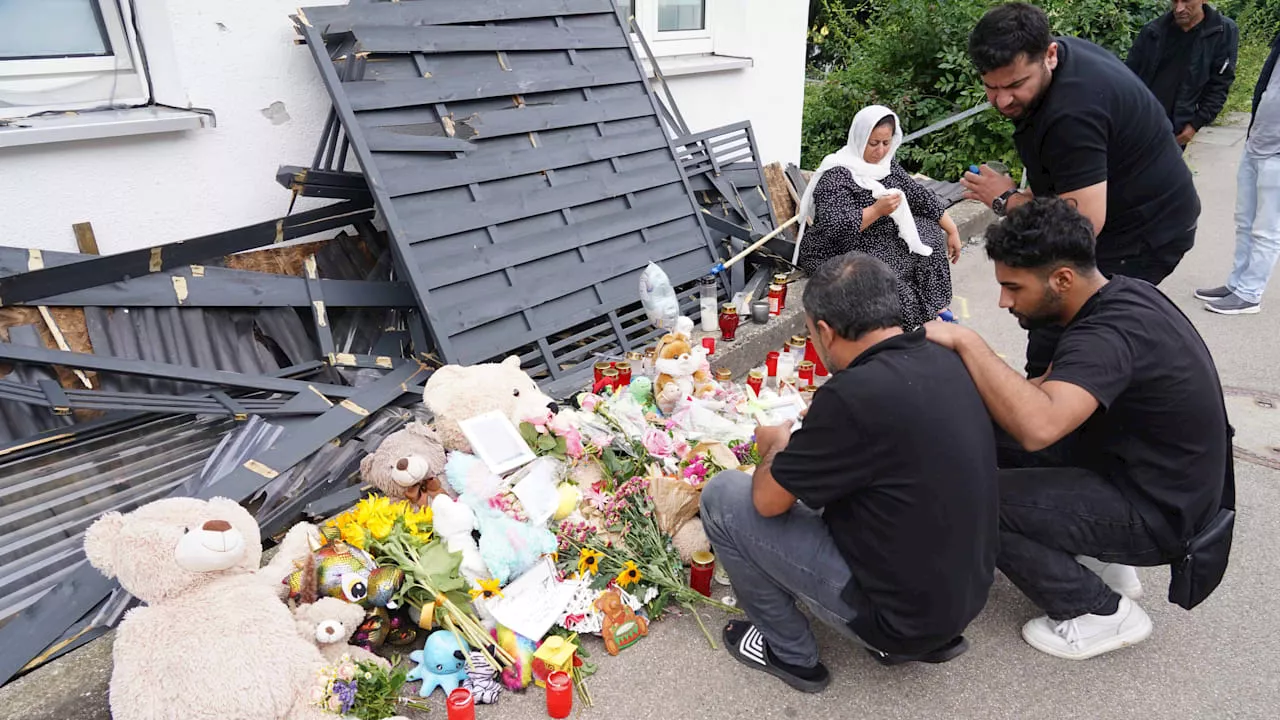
{"x":1049,"y":514}
{"x":1151,"y":264}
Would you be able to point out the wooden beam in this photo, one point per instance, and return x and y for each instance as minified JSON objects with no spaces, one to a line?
{"x":85,"y":239}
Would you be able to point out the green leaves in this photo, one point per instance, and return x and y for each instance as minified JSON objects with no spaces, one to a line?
{"x":912,"y":56}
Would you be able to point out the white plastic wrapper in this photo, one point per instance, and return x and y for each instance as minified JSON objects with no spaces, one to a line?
{"x":658,"y":297}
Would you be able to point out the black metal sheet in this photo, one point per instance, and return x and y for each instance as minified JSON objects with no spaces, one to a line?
{"x":558,"y":183}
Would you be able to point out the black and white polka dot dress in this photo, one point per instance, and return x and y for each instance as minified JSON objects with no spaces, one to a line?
{"x":924,"y":283}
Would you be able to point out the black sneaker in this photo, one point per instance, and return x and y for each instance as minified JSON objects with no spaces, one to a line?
{"x":1217,"y":293}
{"x":744,"y":641}
{"x":950,"y":651}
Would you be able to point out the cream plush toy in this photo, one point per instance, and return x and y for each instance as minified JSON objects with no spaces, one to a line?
{"x":407,"y":464}
{"x":458,"y":392}
{"x":330,"y":623}
{"x":214,"y":641}
{"x":453,"y":522}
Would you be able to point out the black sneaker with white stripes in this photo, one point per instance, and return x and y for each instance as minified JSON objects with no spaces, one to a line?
{"x":743,"y":641}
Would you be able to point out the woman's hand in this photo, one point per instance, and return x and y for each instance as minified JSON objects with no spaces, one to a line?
{"x":953,"y":247}
{"x":885,"y":206}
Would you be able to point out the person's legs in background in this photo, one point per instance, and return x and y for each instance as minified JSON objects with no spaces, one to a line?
{"x":1257,"y":238}
{"x":772,"y":562}
{"x":1049,"y":517}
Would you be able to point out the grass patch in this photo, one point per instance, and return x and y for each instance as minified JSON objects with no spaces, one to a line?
{"x":1253,"y":53}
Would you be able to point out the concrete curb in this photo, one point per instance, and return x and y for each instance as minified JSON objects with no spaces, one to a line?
{"x":753,"y":342}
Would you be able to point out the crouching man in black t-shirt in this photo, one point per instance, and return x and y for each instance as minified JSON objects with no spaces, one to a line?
{"x":1130,"y":425}
{"x":902,"y":554}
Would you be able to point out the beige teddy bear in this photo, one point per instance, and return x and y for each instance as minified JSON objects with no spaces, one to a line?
{"x":214,"y":641}
{"x":407,"y":464}
{"x":459,"y":392}
{"x":330,"y":623}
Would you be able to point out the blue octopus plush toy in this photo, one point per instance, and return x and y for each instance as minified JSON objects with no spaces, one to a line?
{"x":441,"y":664}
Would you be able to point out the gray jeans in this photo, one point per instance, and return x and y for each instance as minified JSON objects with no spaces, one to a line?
{"x":772,"y":562}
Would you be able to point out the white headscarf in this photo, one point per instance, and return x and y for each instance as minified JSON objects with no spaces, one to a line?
{"x":866,"y":175}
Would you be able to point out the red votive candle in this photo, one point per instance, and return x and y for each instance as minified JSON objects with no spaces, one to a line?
{"x":771,"y":363}
{"x":701,"y":570}
{"x":811,"y":354}
{"x":624,"y":374}
{"x":559,"y":694}
{"x":460,"y":706}
{"x":729,"y":321}
{"x":755,"y":381}
{"x":709,"y":343}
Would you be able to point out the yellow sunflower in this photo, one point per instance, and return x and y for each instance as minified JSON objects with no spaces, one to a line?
{"x":418,"y":521}
{"x":352,"y":534}
{"x":630,"y":574}
{"x":380,"y":526}
{"x":488,"y":589}
{"x":589,"y":561}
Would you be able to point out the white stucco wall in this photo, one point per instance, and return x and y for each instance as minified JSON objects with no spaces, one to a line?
{"x":237,"y":57}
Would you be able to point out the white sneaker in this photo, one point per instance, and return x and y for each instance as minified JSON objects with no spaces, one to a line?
{"x":1121,"y":578}
{"x":1089,"y":635}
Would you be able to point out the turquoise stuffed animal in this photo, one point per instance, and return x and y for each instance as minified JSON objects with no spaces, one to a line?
{"x":441,"y":664}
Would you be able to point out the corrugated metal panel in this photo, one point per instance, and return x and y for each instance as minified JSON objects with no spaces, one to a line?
{"x":518,"y":160}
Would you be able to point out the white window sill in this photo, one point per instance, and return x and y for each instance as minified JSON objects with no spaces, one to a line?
{"x":677,"y":65}
{"x":98,"y":124}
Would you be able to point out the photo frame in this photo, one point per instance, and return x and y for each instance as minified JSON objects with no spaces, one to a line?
{"x":497,"y":442}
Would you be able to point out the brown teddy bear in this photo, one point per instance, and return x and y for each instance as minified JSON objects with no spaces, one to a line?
{"x":622,"y":627}
{"x":682,"y":372}
{"x":458,"y":392}
{"x":407,"y":465}
{"x":330,"y":623}
{"x":214,"y":639}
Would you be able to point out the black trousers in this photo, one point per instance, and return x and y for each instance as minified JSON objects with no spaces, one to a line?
{"x":1152,"y":265}
{"x":1050,"y":512}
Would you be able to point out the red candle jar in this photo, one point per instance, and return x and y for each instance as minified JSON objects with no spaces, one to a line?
{"x":781,"y":280}
{"x":559,"y":694}
{"x":600,"y":367}
{"x":624,"y":374}
{"x":709,"y":343}
{"x":771,"y":363}
{"x":755,"y":381}
{"x":609,"y":378}
{"x":460,"y":706}
{"x":729,"y":322}
{"x":701,"y":570}
{"x":811,"y":354}
{"x":775,"y":300}
{"x":805,"y":371}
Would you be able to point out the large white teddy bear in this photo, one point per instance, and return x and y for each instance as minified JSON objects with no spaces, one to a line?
{"x":215,"y":641}
{"x":459,"y":392}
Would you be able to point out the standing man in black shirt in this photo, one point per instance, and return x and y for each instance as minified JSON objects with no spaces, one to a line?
{"x":1188,"y":59}
{"x":895,"y":542}
{"x":1087,"y":129}
{"x":1124,"y":447}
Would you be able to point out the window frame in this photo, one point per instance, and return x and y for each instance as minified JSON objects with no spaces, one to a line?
{"x":61,"y":74}
{"x":675,"y":42}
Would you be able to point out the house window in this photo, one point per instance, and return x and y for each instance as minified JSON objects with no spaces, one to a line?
{"x":65,"y":55}
{"x":674,"y":27}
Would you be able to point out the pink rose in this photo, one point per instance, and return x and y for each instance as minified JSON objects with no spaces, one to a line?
{"x":658,"y":443}
{"x":346,"y":672}
{"x":562,"y":426}
{"x":335,"y":703}
{"x":681,"y":449}
{"x":590,"y":402}
{"x":573,"y":444}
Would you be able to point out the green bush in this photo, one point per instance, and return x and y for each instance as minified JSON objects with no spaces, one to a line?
{"x":911,"y":55}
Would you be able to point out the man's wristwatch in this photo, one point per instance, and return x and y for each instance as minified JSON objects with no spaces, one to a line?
{"x":998,"y":205}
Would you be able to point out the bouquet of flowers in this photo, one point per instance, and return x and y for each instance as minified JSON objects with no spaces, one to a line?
{"x":399,"y":534}
{"x":555,"y":436}
{"x":362,"y":690}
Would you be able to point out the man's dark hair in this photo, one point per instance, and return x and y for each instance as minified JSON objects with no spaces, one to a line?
{"x":854,"y":294}
{"x":1045,"y":233}
{"x":1006,"y":32}
{"x":886,"y":120}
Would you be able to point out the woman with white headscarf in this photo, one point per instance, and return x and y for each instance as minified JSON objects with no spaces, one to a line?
{"x":855,"y":199}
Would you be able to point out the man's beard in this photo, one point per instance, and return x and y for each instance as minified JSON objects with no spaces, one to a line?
{"x":1049,"y":312}
{"x":1020,"y":110}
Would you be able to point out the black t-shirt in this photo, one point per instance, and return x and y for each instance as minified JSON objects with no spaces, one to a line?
{"x":1160,"y":433}
{"x":1098,"y":122}
{"x":898,"y":451}
{"x":1171,"y":70}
